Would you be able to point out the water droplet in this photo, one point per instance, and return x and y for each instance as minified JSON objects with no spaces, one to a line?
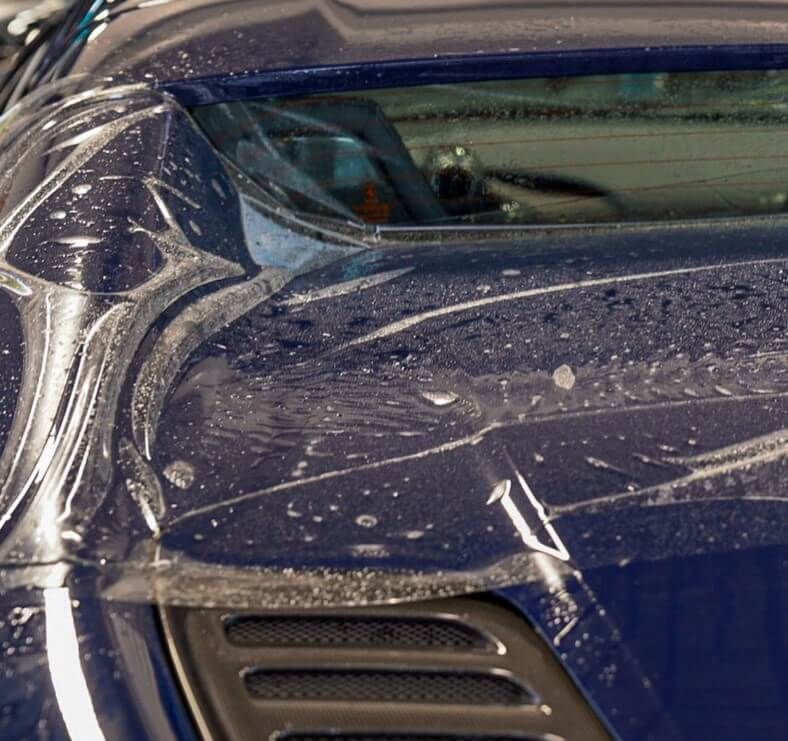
{"x":57,"y":215}
{"x":510,"y":273}
{"x":180,"y":474}
{"x":564,"y":377}
{"x":369,"y":549}
{"x":367,"y":521}
{"x":82,"y":189}
{"x":440,"y":398}
{"x":218,"y":188}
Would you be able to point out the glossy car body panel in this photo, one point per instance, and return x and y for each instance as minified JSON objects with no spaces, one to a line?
{"x":450,"y":69}
{"x":75,"y":666}
{"x":634,"y":379}
{"x":11,"y":362}
{"x":197,"y":38}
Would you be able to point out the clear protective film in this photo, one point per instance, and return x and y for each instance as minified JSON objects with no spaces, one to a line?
{"x":218,"y":403}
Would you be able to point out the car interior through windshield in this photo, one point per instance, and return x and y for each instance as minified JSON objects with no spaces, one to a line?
{"x":567,"y":150}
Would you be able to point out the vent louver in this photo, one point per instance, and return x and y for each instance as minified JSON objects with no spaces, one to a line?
{"x":397,"y":737}
{"x":450,"y":670}
{"x":387,"y":685}
{"x":439,"y":632}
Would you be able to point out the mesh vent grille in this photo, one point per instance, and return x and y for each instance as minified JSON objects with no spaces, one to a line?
{"x":456,"y":669}
{"x":396,"y":737}
{"x":378,"y":685}
{"x":372,"y":632}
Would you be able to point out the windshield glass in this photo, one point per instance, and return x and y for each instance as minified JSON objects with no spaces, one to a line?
{"x":570,"y":150}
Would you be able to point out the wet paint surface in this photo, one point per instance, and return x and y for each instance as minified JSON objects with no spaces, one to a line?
{"x":459,"y":408}
{"x":216,"y":408}
{"x":587,"y":395}
{"x":11,"y":361}
{"x":74,"y":666}
{"x":172,"y":40}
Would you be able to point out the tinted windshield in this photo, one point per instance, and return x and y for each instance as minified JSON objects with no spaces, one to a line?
{"x":606,"y":148}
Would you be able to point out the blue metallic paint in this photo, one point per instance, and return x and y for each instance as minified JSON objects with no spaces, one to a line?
{"x":185,"y":39}
{"x":195,"y":91}
{"x":606,"y":618}
{"x":123,"y":661}
{"x":697,"y":645}
{"x":688,"y":647}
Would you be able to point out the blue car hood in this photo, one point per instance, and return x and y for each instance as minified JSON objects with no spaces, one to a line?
{"x":594,"y":426}
{"x":455,"y":407}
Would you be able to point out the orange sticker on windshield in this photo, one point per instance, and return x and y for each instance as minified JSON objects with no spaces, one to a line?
{"x":373,"y":210}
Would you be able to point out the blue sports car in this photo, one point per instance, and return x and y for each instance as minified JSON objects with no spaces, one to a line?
{"x":395,"y":370}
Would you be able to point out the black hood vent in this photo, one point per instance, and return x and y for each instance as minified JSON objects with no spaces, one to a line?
{"x":463,"y":669}
{"x":424,"y":633}
{"x":404,"y":685}
{"x":398,"y":737}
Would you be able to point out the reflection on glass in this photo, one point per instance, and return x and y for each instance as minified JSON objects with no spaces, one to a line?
{"x":583,"y":149}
